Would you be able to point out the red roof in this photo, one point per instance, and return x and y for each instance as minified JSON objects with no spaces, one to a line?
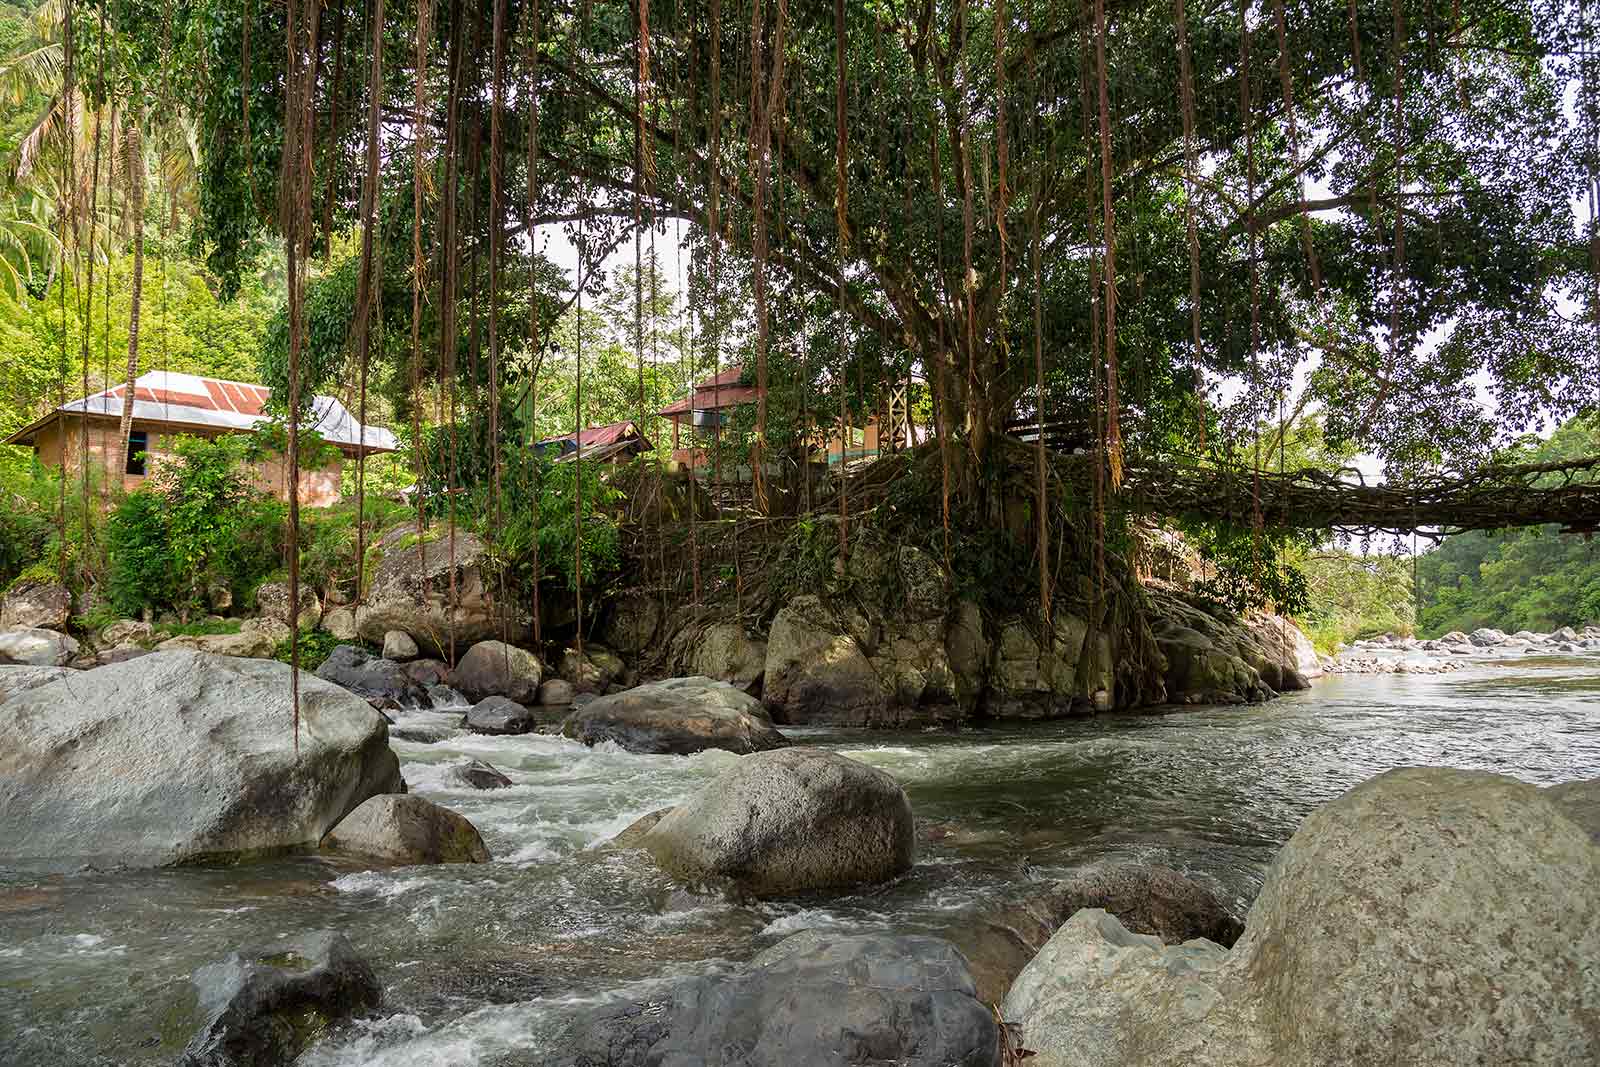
{"x":600,"y":436}
{"x":715,"y":393}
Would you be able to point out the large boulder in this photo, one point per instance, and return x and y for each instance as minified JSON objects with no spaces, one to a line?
{"x":18,"y":679}
{"x":1034,"y":679}
{"x":816,"y":1000}
{"x":632,"y":623}
{"x":249,"y":642}
{"x":725,"y":652}
{"x":1487,"y":637}
{"x":1580,"y":802}
{"x":677,"y":716}
{"x":36,"y":603}
{"x":1427,"y":916}
{"x":494,"y":668}
{"x":411,"y":590}
{"x":340,"y":622}
{"x":790,"y":821}
{"x":124,"y":632}
{"x":1145,"y":898}
{"x":398,"y":646}
{"x":499,"y":715}
{"x":382,"y":682}
{"x":178,"y":757}
{"x":272,"y":602}
{"x":817,"y":671}
{"x":404,"y":829}
{"x":264,"y":1007}
{"x":35,"y":647}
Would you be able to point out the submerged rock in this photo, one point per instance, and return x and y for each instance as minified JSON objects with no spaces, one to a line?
{"x":494,"y":668}
{"x":476,"y":774}
{"x":813,"y":1000}
{"x":786,"y":822}
{"x":263,"y":1008}
{"x":1427,"y":916}
{"x":1145,"y":898}
{"x":36,"y":647}
{"x":677,"y":716}
{"x":178,"y":757}
{"x":385,"y":683}
{"x":498,"y":715}
{"x":398,"y":828}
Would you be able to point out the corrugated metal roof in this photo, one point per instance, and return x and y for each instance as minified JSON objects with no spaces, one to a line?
{"x":715,"y":394}
{"x":190,"y":400}
{"x":610,"y":433}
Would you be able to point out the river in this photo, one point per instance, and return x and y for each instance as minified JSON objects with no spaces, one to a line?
{"x":480,"y":962}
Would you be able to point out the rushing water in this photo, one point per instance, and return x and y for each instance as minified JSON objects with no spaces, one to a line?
{"x":479,"y":961}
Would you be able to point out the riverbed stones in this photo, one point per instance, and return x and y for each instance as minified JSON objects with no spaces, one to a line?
{"x":790,"y":821}
{"x":33,"y":646}
{"x":498,"y":715}
{"x":177,"y":757}
{"x":815,"y":999}
{"x":676,"y":716}
{"x":1146,"y":898}
{"x":36,"y":603}
{"x":263,"y":1007}
{"x":1427,"y":916}
{"x":494,"y":668}
{"x":435,"y":591}
{"x":406,"y":829}
{"x":383,"y":682}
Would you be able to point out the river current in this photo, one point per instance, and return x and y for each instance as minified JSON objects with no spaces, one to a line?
{"x":480,"y":963}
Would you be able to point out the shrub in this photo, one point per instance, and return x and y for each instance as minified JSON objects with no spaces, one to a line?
{"x":138,"y":542}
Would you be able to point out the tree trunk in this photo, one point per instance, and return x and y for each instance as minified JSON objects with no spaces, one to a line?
{"x":136,"y":180}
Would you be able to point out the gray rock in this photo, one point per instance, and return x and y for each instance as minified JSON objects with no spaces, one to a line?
{"x":814,"y":1000}
{"x":34,"y":647}
{"x":555,"y":692}
{"x":340,"y":622}
{"x":499,"y":715}
{"x":632,"y":624}
{"x":33,"y":603}
{"x":247,"y":643}
{"x":412,"y":590}
{"x":1456,"y":637}
{"x":677,"y":716}
{"x":1487,"y":637}
{"x":383,"y":682}
{"x":1145,"y":898}
{"x":592,"y":671}
{"x":398,"y":646}
{"x":272,"y":602}
{"x":1427,"y":916}
{"x":817,"y":672}
{"x":476,"y":774}
{"x":421,"y":733}
{"x":124,"y":632}
{"x":19,"y":679}
{"x":120,"y":654}
{"x":405,"y":829}
{"x":786,"y":822}
{"x":1580,"y":802}
{"x":1565,"y":633}
{"x":725,"y":652}
{"x":494,"y":668}
{"x":264,"y":1007}
{"x":632,"y":835}
{"x":179,"y":757}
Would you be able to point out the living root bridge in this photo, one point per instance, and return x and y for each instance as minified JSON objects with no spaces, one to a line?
{"x":1489,"y":498}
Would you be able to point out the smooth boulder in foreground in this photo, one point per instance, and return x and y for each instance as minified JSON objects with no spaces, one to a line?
{"x":791,"y":821}
{"x":1427,"y":916}
{"x":812,"y":1000}
{"x":180,"y":757}
{"x":677,"y":716}
{"x":263,"y":1008}
{"x":404,"y":829}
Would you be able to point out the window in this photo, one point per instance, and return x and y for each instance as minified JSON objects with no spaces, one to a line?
{"x":138,"y":444}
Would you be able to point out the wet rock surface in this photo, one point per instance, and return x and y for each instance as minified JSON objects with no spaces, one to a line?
{"x":676,"y":716}
{"x":403,"y":829}
{"x":265,"y":1006}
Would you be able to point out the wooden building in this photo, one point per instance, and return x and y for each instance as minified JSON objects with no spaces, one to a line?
{"x":166,"y":405}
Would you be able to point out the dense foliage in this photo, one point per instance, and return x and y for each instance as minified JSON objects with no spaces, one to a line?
{"x":1533,"y":578}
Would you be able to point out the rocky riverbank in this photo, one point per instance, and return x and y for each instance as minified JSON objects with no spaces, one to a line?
{"x":1403,"y":654}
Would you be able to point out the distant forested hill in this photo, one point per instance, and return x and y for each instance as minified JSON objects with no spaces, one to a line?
{"x":1532,"y":578}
